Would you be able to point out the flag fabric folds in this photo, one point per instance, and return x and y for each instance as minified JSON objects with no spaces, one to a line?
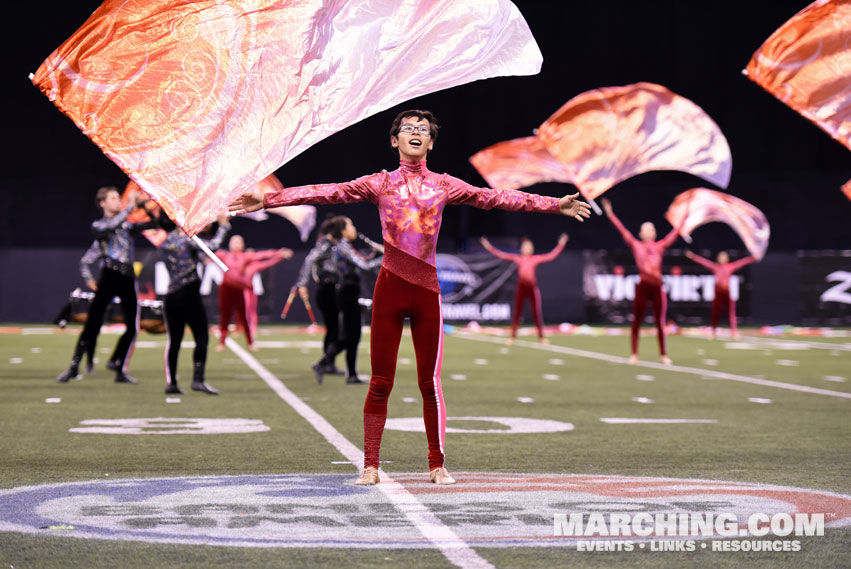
{"x":519,"y":163}
{"x":806,"y":63}
{"x":199,"y":101}
{"x":607,"y":135}
{"x":701,"y":205}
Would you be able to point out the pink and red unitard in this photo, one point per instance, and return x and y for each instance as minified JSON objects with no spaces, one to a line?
{"x":722,"y":300}
{"x":648,"y":260}
{"x":410,"y":203}
{"x":527,"y":283}
{"x":235,"y":289}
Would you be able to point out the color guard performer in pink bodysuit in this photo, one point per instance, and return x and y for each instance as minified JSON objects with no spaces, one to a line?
{"x":648,"y":258}
{"x":722,"y":270}
{"x":410,"y":202}
{"x":527,"y":282}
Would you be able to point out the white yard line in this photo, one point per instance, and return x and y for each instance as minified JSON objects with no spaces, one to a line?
{"x":659,"y":366}
{"x":444,"y":539}
{"x":778,"y":341}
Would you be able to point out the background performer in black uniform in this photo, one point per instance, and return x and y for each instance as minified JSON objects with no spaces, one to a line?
{"x":114,"y":235}
{"x":182,"y":304}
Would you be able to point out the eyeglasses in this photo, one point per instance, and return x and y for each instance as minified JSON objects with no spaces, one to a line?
{"x":411,"y":129}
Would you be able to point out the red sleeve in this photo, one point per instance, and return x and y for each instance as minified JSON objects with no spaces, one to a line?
{"x":547,"y":257}
{"x":364,"y":189}
{"x":627,"y":236}
{"x":462,"y":193}
{"x":704,"y":262}
{"x":744,"y":261}
{"x":254,"y":267}
{"x":674,"y":234}
{"x":499,"y":254}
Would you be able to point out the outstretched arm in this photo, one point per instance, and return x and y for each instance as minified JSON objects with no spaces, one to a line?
{"x":610,"y":213}
{"x":309,"y":260}
{"x":744,"y":261}
{"x":703,"y":261}
{"x":104,"y":226}
{"x":462,"y":193}
{"x":547,"y":257}
{"x":494,"y":251}
{"x":365,"y":188}
{"x":674,"y":233}
{"x":273,"y":257}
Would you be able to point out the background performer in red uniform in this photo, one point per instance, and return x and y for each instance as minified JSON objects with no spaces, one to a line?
{"x":722,"y":270}
{"x":648,"y":258}
{"x":410,"y":203}
{"x":527,"y":282}
{"x":242,"y":266}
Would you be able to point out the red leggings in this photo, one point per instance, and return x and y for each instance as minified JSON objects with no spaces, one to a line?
{"x":232,"y":298}
{"x":527,"y":290}
{"x":721,"y":301}
{"x":655,"y":294}
{"x":393,"y":300}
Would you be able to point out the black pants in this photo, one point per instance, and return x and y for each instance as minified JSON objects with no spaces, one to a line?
{"x":179,"y":309}
{"x":326,"y":300}
{"x":111,"y":284}
{"x":348,"y":297}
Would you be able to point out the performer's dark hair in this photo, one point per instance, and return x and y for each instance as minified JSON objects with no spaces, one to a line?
{"x":419,"y":115}
{"x":525,"y":238}
{"x":101,"y":195}
{"x":334,"y":226}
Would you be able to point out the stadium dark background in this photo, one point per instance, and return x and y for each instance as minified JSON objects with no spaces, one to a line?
{"x":782,"y":163}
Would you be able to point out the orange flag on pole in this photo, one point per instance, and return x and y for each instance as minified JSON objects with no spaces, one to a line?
{"x":199,"y":101}
{"x":518,"y":163}
{"x":806,"y":64}
{"x":702,"y":205}
{"x":607,"y":135}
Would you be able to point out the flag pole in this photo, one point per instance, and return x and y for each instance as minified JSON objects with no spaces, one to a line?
{"x":210,"y":254}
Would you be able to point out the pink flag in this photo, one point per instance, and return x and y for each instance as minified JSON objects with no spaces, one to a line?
{"x":846,"y":189}
{"x":701,"y":205}
{"x":605,"y":136}
{"x":198,"y":101}
{"x":806,"y":64}
{"x":302,"y":216}
{"x":518,"y":163}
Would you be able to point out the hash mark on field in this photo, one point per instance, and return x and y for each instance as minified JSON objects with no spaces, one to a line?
{"x":642,"y":400}
{"x":759,"y":400}
{"x":16,"y":360}
{"x":525,"y":400}
{"x":556,"y":361}
{"x":453,"y":547}
{"x":458,"y":376}
{"x":480,"y":362}
{"x":834,"y":378}
{"x":642,"y":377}
{"x":788,"y":363}
{"x":659,"y":366}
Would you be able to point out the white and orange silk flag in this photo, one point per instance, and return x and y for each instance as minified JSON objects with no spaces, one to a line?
{"x":806,"y":64}
{"x":607,"y":135}
{"x":701,"y":205}
{"x":199,"y":101}
{"x":303,"y":217}
{"x":157,"y":235}
{"x":519,"y":163}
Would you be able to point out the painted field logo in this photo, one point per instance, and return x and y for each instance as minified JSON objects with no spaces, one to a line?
{"x":326,"y":510}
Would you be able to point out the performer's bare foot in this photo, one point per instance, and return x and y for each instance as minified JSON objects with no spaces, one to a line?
{"x":633,"y":359}
{"x":737,"y":336}
{"x":544,"y":340}
{"x":440,"y":476}
{"x":368,"y":477}
{"x":665,"y":360}
{"x":220,"y":347}
{"x":253,"y":348}
{"x":510,"y":342}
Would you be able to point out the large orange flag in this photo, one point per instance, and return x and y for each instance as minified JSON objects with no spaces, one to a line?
{"x":806,"y":64}
{"x":198,"y":101}
{"x":518,"y":163}
{"x":701,"y":205}
{"x":607,"y":135}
